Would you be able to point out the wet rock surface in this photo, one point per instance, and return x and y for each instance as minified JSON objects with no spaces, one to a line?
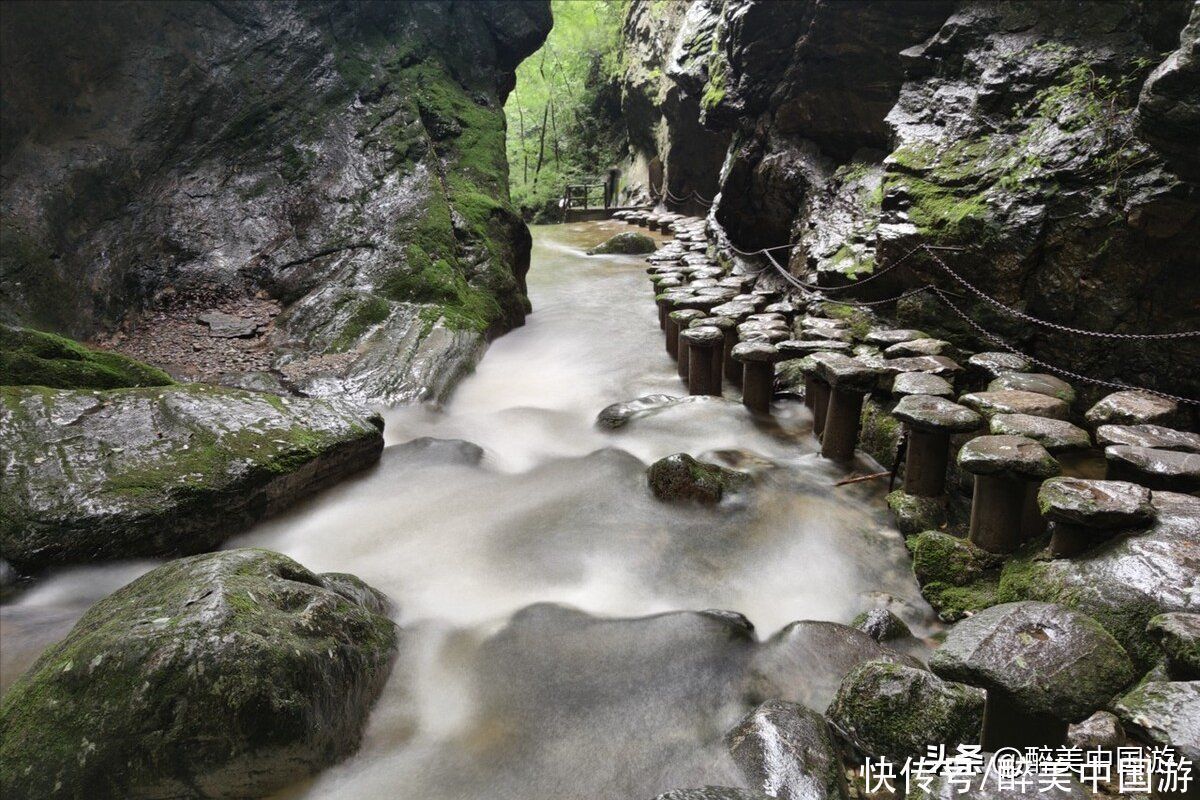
{"x":1034,"y":382}
{"x":343,"y":192}
{"x":1168,"y":470}
{"x":1046,"y":658}
{"x":1164,"y":713}
{"x":881,"y":625}
{"x":628,"y":243}
{"x":1056,"y":435}
{"x":787,"y":750}
{"x":1153,"y":436}
{"x":681,"y":478}
{"x":1178,"y":634}
{"x":230,"y":674}
{"x":1095,"y":504}
{"x":1133,"y":408}
{"x":893,"y":711}
{"x":162,"y":471}
{"x":1012,"y":401}
{"x":1007,"y":456}
{"x":929,"y":413}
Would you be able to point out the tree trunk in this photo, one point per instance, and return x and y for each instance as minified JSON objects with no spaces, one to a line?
{"x":541,"y":145}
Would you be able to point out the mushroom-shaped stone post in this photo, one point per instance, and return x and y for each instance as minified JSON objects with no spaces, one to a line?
{"x":930,"y":421}
{"x":816,"y":393}
{"x":679,"y":321}
{"x":1003,"y":466}
{"x":758,"y":359}
{"x":726,"y":366}
{"x":849,"y":381}
{"x":1043,"y":665}
{"x":1084,"y":513}
{"x":701,"y":343}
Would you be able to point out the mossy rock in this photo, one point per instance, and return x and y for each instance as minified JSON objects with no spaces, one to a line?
{"x":230,"y":674}
{"x":879,"y":432}
{"x":894,"y":711}
{"x":681,"y":478}
{"x":914,"y":513}
{"x":34,"y":358}
{"x":629,"y":243}
{"x":173,"y":470}
{"x":949,"y":559}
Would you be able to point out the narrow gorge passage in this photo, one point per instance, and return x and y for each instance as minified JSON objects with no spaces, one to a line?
{"x":489,"y":700}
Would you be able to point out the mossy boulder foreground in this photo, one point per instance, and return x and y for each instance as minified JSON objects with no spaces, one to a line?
{"x":681,"y":478}
{"x":229,"y":674}
{"x":161,"y":471}
{"x":629,"y":243}
{"x":34,"y":358}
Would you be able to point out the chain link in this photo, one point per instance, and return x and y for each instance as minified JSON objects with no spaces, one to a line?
{"x":1053,"y":325}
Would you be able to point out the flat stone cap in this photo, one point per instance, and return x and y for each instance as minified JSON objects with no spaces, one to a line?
{"x":759,"y":334}
{"x":1133,"y":408}
{"x":1047,"y":658}
{"x":929,"y":413}
{"x":703,"y":336}
{"x":888,"y":336}
{"x":793,"y":348}
{"x":918,"y":347}
{"x":699,"y":302}
{"x":921,"y":383}
{"x":684,"y":316}
{"x":995,"y":363}
{"x":822,"y":322}
{"x":1155,"y":436}
{"x":758,"y":351}
{"x":1182,"y":469}
{"x":719,"y":322}
{"x":1007,"y":456}
{"x":1056,"y":435}
{"x":735,"y":309}
{"x":935,"y":365}
{"x":848,"y":373}
{"x":1012,"y":401}
{"x":1034,"y":382}
{"x":1095,"y":504}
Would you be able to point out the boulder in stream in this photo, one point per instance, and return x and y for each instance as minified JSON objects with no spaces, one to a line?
{"x":162,"y":471}
{"x":223,"y":675}
{"x":788,"y":751}
{"x":628,"y":243}
{"x":680,"y":477}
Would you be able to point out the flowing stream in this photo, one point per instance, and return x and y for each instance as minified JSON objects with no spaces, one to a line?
{"x":538,"y":659}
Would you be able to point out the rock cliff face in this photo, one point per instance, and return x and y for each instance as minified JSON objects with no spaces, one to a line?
{"x":1051,"y":143}
{"x":342,"y":161}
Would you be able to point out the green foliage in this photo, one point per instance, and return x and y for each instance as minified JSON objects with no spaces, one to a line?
{"x":567,"y":97}
{"x":34,"y":358}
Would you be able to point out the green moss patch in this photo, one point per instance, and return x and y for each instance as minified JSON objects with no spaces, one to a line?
{"x":34,"y":358}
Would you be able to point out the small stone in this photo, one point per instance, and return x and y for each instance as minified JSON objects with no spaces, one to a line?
{"x":680,"y":477}
{"x":1105,"y":505}
{"x":921,"y":383}
{"x":929,"y":413}
{"x":1056,"y":435}
{"x":1166,"y":470}
{"x":894,"y":711}
{"x":788,"y":750}
{"x":1101,"y":730}
{"x":919,"y":347}
{"x":1156,"y":437}
{"x":1010,"y":456}
{"x":1133,"y":407}
{"x":1178,"y":634}
{"x":618,"y":415}
{"x":1046,"y":658}
{"x":881,"y":625}
{"x":1036,"y":382}
{"x":1011,"y":401}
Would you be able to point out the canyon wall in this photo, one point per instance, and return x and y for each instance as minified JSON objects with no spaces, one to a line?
{"x":1048,"y":146}
{"x":334,"y":170}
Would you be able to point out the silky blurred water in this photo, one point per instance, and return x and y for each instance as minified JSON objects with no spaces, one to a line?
{"x":491,"y":701}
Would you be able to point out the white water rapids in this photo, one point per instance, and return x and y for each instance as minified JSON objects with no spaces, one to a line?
{"x":555,"y":703}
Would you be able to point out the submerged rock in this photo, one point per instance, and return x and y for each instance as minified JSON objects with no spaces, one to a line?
{"x":894,"y":711}
{"x":787,"y":750}
{"x":162,"y":471}
{"x":230,"y":675}
{"x":806,"y":661}
{"x":680,"y":477}
{"x":618,"y":415}
{"x":630,"y":243}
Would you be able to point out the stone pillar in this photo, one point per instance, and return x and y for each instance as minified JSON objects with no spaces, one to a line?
{"x":758,"y":374}
{"x":1003,"y":466}
{"x":930,"y":420}
{"x":701,"y":343}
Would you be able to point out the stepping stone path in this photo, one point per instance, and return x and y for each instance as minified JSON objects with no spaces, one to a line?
{"x":1034,"y":382}
{"x":1012,"y":401}
{"x":1056,"y":435}
{"x":1133,"y":408}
